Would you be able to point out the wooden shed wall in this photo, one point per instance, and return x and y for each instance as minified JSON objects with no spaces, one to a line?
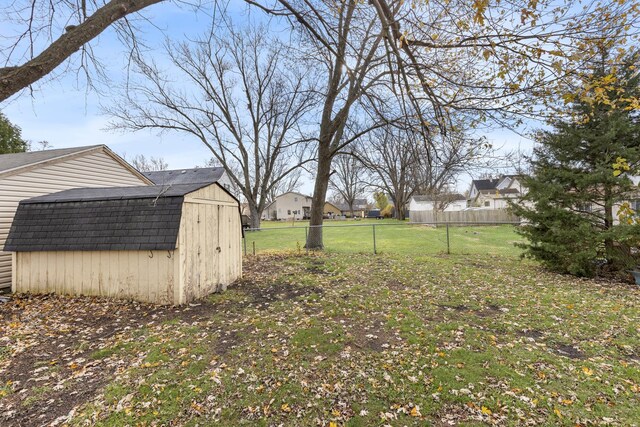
{"x":91,"y":169}
{"x":142,"y":275}
{"x":210,"y":220}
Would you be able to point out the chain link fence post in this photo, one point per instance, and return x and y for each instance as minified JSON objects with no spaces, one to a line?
{"x":448,"y":245}
{"x":375,"y":250}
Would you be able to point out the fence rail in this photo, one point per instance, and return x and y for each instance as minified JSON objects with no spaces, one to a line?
{"x":467,"y":216}
{"x":400,"y":237}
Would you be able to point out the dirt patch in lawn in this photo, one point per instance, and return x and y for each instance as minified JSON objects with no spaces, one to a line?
{"x":262,"y":296}
{"x":489,"y":311}
{"x":317,"y":267}
{"x":567,"y":351}
{"x":531,"y":333}
{"x":227,"y":341}
{"x":458,"y":308}
{"x":396,"y":285}
{"x":371,"y":335}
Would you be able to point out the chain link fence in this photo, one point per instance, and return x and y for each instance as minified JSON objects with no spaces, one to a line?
{"x":390,"y":237}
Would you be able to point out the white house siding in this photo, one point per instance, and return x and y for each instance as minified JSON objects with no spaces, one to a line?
{"x":456,"y":205}
{"x":288,"y":206}
{"x":92,"y":169}
{"x":491,"y":201}
{"x":415,"y":206}
{"x":225,"y":181}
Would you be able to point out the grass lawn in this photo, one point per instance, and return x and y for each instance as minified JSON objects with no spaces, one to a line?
{"x":338,"y":339}
{"x":392,"y":236}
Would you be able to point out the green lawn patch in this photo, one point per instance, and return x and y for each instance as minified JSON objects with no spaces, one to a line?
{"x":354,"y":339}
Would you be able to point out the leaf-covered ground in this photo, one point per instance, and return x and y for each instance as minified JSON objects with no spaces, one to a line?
{"x":333,"y":340}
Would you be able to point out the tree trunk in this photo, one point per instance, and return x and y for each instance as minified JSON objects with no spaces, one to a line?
{"x":314,"y":238}
{"x":400,"y":204}
{"x":400,"y":211}
{"x":255,"y":215}
{"x":608,"y":224}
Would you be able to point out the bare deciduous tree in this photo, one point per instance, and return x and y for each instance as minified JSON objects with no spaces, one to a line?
{"x":244,"y":100}
{"x":283,"y":183}
{"x":345,"y":42}
{"x":151,"y":164}
{"x":391,"y":156}
{"x":347,"y":179}
{"x":440,"y":164}
{"x":402,"y":164}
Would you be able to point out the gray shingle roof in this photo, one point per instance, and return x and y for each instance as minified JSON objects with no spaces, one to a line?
{"x":121,"y":218}
{"x":485,"y":184}
{"x":117,"y":193}
{"x":18,"y":160}
{"x":186,"y":176}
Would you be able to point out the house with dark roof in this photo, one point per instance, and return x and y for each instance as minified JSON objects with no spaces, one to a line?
{"x":494,"y":193}
{"x":25,"y":175}
{"x":164,"y":244}
{"x":360,"y":208}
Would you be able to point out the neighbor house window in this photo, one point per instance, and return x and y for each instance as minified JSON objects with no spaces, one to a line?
{"x":295,"y":199}
{"x":288,"y":212}
{"x":487,"y":203}
{"x":635,"y":205}
{"x":585,"y":207}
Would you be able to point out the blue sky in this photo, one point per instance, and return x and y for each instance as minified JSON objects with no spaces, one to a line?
{"x":63,"y":113}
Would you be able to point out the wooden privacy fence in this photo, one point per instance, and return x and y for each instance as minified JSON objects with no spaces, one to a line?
{"x":479,"y":216}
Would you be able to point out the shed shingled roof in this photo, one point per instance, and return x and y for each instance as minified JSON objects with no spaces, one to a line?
{"x":117,"y":193}
{"x":118,"y":218}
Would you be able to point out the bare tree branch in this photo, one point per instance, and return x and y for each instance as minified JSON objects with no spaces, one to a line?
{"x":16,"y":78}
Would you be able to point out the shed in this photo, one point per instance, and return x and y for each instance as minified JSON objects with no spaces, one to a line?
{"x":25,"y":175}
{"x":160,"y":244}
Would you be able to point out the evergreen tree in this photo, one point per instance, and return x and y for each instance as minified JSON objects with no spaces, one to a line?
{"x":574,"y":192}
{"x":10,"y":137}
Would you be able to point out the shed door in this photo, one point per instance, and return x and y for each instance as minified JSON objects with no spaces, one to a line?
{"x":202,"y":254}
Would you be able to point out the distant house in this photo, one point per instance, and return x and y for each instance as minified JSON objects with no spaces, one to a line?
{"x":446,"y":202}
{"x":191,"y":176}
{"x":360,"y":208}
{"x":291,"y":205}
{"x":494,"y":193}
{"x":331,"y":210}
{"x":26,"y":175}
